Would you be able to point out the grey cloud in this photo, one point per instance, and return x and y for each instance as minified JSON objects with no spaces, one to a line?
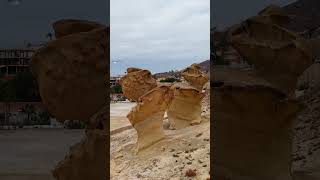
{"x":159,"y":35}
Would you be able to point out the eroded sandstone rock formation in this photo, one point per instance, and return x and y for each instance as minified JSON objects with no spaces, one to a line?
{"x":181,"y":101}
{"x":185,"y":108}
{"x":136,"y":83}
{"x":147,"y":116}
{"x":195,"y":76}
{"x":72,"y":72}
{"x":255,"y":110}
{"x":252,"y":132}
{"x":279,"y":56}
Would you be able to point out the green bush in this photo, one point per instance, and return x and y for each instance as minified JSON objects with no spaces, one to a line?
{"x":170,"y":80}
{"x":116,"y":89}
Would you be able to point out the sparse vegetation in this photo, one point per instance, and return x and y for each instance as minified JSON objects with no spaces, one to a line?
{"x":170,"y":80}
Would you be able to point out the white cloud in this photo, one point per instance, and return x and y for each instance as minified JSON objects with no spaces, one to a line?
{"x":159,"y":34}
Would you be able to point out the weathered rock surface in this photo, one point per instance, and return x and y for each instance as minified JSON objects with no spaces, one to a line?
{"x":86,"y":160}
{"x":147,"y":117}
{"x":136,"y":83}
{"x":252,"y":132}
{"x":306,"y":146}
{"x":278,"y":55}
{"x":185,"y":108}
{"x":195,"y":76}
{"x":71,"y":73}
{"x":72,"y":26}
{"x":252,"y":125}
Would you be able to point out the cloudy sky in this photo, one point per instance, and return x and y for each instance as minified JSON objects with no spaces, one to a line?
{"x":159,"y":35}
{"x":31,"y":20}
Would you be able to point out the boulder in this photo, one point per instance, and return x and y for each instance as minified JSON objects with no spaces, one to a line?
{"x":72,"y":72}
{"x":136,"y":83}
{"x":195,"y":76}
{"x":66,"y":27}
{"x":147,"y":117}
{"x":185,"y":108}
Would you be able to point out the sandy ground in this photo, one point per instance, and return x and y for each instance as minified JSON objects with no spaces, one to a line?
{"x":181,"y":150}
{"x":31,"y":154}
{"x":118,"y":113}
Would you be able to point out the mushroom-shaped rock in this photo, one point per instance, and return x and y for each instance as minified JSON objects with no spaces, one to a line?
{"x":252,"y":132}
{"x":147,"y":117}
{"x":185,"y":108}
{"x":71,"y":73}
{"x":195,"y":76}
{"x":66,"y":27}
{"x":278,"y":55}
{"x":136,"y":83}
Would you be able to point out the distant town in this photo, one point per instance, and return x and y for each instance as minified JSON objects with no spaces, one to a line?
{"x":20,"y":102}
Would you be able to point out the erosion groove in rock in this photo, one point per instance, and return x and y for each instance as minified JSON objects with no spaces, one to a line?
{"x":185,"y":108}
{"x":195,"y":76}
{"x":147,"y":116}
{"x":136,"y":83}
{"x":252,"y":132}
{"x":71,"y":67}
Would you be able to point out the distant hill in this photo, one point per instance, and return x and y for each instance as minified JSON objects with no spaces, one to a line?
{"x":305,"y":15}
{"x":205,"y":65}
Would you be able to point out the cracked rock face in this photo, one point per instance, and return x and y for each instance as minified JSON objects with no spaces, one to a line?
{"x":195,"y":76}
{"x":278,"y":55}
{"x":252,"y":132}
{"x":71,"y":67}
{"x":136,"y":83}
{"x":185,"y":108}
{"x":147,"y":117}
